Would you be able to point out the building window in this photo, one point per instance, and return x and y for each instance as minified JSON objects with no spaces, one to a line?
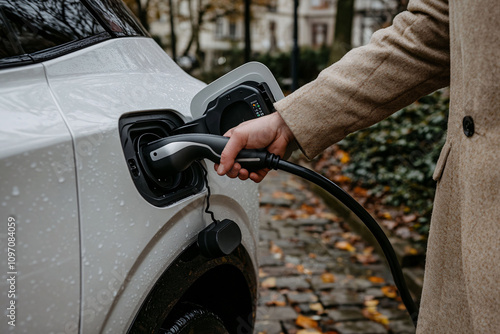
{"x":272,"y":6}
{"x":219,"y":27}
{"x":319,"y":34}
{"x":320,"y":4}
{"x":232,"y":30}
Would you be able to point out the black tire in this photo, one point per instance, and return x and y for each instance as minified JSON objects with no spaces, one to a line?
{"x":193,"y":319}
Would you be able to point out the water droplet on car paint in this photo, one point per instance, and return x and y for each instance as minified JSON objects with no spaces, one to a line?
{"x":15,"y":191}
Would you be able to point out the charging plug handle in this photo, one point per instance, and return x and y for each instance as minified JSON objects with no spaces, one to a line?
{"x":176,"y":153}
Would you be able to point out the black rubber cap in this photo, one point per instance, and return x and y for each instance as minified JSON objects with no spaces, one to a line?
{"x":219,"y":238}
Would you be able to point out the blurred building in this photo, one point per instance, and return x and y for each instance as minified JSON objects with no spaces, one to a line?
{"x":222,"y":29}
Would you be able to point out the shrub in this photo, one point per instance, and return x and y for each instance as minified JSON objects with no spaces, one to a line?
{"x":396,"y":158}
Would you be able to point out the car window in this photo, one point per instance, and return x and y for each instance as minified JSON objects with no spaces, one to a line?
{"x":39,"y":25}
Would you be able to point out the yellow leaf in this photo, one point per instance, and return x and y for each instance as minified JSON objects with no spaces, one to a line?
{"x":343,"y":156}
{"x":344,"y":245}
{"x":329,"y":216}
{"x":371,"y":303}
{"x":376,"y":279}
{"x":269,"y":282}
{"x":275,"y":249}
{"x":306,"y":322}
{"x":316,"y":307}
{"x":410,"y":250}
{"x":373,"y":314}
{"x":341,"y":179}
{"x":327,"y":278}
{"x":390,"y":291}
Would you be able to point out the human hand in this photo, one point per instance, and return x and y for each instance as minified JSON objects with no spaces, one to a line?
{"x":269,"y":132}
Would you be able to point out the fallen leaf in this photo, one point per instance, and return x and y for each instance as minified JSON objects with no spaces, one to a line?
{"x":308,"y":331}
{"x":375,"y":315}
{"x":344,"y":245}
{"x":329,"y":216}
{"x":371,"y":303}
{"x":317,"y":307}
{"x":306,"y":322}
{"x":409,"y":218}
{"x":343,"y":156}
{"x":341,"y":178}
{"x":366,"y":258}
{"x":368,"y":250}
{"x":390,"y":291}
{"x":303,"y":270}
{"x":328,"y":278}
{"x":269,"y":283}
{"x":359,"y":191}
{"x":308,"y":209}
{"x":275,"y":249}
{"x":284,"y":195}
{"x":410,"y":250}
{"x":376,"y":279}
{"x":386,"y":215}
{"x":351,"y":237}
{"x":390,"y":224}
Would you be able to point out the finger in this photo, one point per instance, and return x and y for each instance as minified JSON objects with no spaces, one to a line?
{"x":243,"y":175}
{"x":235,"y":144}
{"x":259,"y":175}
{"x":233,"y":172}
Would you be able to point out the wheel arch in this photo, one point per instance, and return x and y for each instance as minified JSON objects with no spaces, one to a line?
{"x":227,"y":286}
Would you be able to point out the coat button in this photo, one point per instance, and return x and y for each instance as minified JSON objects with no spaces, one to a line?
{"x":468,"y":125}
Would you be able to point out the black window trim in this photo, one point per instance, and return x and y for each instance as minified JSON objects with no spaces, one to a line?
{"x":53,"y":52}
{"x":69,"y":47}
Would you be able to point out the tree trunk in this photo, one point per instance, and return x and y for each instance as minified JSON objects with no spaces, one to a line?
{"x":142,"y":13}
{"x":191,"y":38}
{"x":173,"y":39}
{"x":343,"y":30}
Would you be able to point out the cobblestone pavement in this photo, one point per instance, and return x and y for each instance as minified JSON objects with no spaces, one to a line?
{"x":310,"y":280}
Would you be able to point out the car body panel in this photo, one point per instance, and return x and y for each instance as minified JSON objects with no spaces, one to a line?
{"x":127,"y":242}
{"x":34,"y":139}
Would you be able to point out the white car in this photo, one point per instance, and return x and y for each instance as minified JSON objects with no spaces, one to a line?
{"x":89,"y":245}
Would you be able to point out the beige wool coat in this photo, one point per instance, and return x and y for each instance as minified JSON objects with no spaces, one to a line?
{"x":434,"y":44}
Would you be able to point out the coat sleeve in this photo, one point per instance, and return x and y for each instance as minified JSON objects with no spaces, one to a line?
{"x":401,"y":63}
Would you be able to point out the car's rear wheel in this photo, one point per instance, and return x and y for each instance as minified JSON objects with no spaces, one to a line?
{"x":193,"y":319}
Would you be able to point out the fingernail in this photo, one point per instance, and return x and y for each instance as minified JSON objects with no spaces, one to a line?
{"x":220,"y":170}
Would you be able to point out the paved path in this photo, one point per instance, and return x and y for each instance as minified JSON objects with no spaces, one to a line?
{"x":315,"y":276}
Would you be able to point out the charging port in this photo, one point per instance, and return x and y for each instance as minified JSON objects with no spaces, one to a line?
{"x":140,"y":128}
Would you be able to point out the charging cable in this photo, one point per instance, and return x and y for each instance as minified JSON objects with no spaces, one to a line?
{"x":176,"y":153}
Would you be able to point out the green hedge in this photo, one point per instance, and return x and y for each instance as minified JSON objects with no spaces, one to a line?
{"x":396,"y":158}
